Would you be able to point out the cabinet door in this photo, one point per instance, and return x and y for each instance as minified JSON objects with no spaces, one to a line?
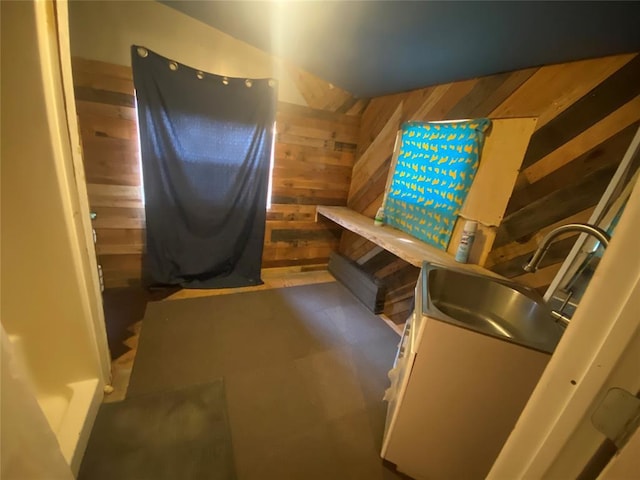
{"x":464,"y":394}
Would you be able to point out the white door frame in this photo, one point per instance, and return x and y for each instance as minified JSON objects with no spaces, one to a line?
{"x":56,"y":66}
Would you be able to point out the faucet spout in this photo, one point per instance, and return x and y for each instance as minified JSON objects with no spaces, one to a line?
{"x":602,"y":236}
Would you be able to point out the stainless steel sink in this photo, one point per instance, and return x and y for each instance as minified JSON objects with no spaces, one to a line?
{"x":488,"y":305}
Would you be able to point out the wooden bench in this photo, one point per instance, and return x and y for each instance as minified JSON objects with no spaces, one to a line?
{"x":393,"y":240}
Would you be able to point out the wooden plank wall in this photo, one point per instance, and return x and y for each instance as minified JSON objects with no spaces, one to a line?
{"x":323,"y":95}
{"x":587,"y":114}
{"x":314,"y":156}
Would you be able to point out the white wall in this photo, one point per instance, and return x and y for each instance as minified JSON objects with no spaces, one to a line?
{"x":42,"y":297}
{"x":50,"y":307}
{"x":105,"y":31}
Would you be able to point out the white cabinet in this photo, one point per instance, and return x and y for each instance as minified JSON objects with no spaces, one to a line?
{"x":458,"y":395}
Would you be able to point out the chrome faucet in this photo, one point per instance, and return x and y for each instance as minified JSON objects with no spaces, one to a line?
{"x":602,"y":236}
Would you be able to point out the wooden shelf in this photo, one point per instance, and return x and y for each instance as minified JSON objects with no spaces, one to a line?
{"x":399,"y":243}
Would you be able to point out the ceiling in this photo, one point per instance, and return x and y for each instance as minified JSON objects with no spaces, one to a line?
{"x":371,"y":48}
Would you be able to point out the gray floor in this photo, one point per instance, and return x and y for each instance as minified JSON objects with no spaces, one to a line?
{"x":304,"y":371}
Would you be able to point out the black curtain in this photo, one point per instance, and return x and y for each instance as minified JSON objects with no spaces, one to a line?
{"x":206,"y":147}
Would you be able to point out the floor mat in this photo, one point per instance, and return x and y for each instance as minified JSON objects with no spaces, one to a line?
{"x":305,"y":369}
{"x":181,"y":434}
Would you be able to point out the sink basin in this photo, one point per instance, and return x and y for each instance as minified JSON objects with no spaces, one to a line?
{"x":488,"y":305}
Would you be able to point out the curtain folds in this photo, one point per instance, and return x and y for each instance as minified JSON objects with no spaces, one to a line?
{"x":206,"y":145}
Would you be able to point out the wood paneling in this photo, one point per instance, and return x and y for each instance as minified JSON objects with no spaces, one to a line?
{"x":626,"y":115}
{"x":105,"y":106}
{"x":554,"y":88}
{"x":606,"y":97}
{"x":374,"y":162}
{"x":587,"y":112}
{"x":322,"y":95}
{"x":313,"y":160}
{"x":526,"y":246}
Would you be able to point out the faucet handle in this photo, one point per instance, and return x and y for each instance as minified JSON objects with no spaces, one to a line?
{"x":529,"y":267}
{"x":559,"y":317}
{"x":566,"y":300}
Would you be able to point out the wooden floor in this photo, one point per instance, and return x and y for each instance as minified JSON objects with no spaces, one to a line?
{"x":273,"y":278}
